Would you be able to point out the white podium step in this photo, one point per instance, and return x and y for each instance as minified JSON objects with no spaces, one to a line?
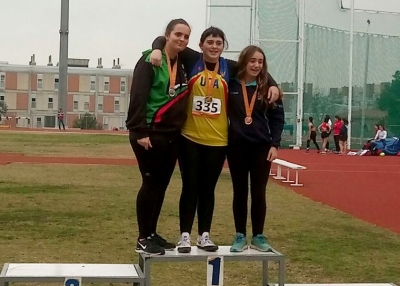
{"x":58,"y":272}
{"x":197,"y":254}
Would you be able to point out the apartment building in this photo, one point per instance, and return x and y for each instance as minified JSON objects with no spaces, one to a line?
{"x":31,"y":94}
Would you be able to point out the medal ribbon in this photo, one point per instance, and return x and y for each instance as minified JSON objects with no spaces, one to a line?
{"x":172,"y":71}
{"x":249,"y":108}
{"x":210,"y":84}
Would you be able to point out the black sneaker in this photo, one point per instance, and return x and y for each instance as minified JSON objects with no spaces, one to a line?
{"x":149,"y":246}
{"x":162,"y":242}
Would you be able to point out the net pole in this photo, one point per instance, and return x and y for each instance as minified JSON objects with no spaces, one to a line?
{"x":63,"y":61}
{"x":300,"y":73}
{"x":350,"y":97}
{"x":365,"y":84}
{"x":208,"y":13}
{"x":253,"y":11}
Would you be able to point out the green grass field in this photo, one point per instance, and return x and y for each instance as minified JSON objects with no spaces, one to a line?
{"x":70,"y":213}
{"x":66,"y":144}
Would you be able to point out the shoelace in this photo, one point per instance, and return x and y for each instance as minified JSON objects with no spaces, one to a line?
{"x":262,"y":238}
{"x":185,"y":241}
{"x":207,"y":240}
{"x":160,"y":237}
{"x":239,"y":239}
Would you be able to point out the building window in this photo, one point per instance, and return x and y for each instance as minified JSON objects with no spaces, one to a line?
{"x":92,"y":83}
{"x":50,"y":103}
{"x":106,"y":84}
{"x":2,"y":80}
{"x":56,"y":81}
{"x":75,"y":105}
{"x":33,"y":102}
{"x":123,"y":85}
{"x":39,"y":122}
{"x":100,"y":107}
{"x":1,"y":97}
{"x":116,"y":106}
{"x":86,"y":106}
{"x":39,"y":81}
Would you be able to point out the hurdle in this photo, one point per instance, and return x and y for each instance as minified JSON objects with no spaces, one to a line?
{"x":289,"y":166}
{"x":222,"y":254}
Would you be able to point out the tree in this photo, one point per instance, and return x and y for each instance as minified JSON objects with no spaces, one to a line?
{"x":320,"y":105}
{"x":390,"y":102}
{"x":86,"y":121}
{"x":3,"y":109}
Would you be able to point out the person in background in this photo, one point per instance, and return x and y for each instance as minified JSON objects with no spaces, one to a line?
{"x":376,"y":129}
{"x":343,"y":137}
{"x":329,"y":121}
{"x":337,"y":125}
{"x":312,"y":135}
{"x":157,"y":111}
{"x":60,"y":117}
{"x":381,"y":135}
{"x":324,"y":130}
{"x":254,"y":136}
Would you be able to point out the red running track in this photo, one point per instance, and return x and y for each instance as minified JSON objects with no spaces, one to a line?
{"x":366,"y":187}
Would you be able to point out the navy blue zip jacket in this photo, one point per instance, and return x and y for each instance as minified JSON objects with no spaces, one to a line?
{"x":268,"y":121}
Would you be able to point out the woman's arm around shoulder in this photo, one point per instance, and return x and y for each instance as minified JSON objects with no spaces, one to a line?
{"x":142,"y":81}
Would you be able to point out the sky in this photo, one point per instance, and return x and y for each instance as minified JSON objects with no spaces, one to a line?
{"x":97,"y":28}
{"x":113,"y":29}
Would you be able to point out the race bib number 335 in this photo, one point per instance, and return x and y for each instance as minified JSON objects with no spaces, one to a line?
{"x":209,"y":109}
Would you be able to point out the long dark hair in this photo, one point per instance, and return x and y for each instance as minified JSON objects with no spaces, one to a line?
{"x":171,"y":25}
{"x":262,"y":79}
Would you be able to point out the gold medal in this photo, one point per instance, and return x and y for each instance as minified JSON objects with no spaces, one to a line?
{"x":210,"y":83}
{"x":248,"y":120}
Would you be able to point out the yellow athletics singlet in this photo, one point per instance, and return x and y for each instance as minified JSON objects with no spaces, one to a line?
{"x":207,"y":121}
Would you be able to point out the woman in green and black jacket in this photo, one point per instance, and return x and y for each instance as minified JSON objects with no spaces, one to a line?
{"x":157,"y":111}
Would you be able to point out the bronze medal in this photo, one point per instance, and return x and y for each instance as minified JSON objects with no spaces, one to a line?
{"x":208,"y":99}
{"x":248,"y":107}
{"x":248,"y":120}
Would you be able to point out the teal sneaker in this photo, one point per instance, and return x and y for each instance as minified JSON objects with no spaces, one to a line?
{"x":239,"y":244}
{"x":260,"y":243}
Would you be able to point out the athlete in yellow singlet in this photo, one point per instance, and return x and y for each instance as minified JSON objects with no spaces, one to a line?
{"x":204,"y":139}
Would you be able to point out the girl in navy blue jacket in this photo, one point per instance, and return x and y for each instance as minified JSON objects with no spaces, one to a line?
{"x":254,"y":135}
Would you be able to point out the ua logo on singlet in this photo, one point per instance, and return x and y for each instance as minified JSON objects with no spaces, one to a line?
{"x":203,"y":82}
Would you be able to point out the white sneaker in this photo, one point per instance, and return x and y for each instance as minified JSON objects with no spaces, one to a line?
{"x":204,"y":242}
{"x":184,"y":243}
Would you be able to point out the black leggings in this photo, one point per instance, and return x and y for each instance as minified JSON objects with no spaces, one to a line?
{"x":156,"y":166}
{"x":245,"y":159}
{"x":336,"y":138}
{"x":313,"y":138}
{"x":200,"y":167}
{"x":327,"y":142}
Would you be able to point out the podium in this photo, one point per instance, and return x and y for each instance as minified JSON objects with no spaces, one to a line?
{"x":59,"y":272}
{"x":196,"y":254}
